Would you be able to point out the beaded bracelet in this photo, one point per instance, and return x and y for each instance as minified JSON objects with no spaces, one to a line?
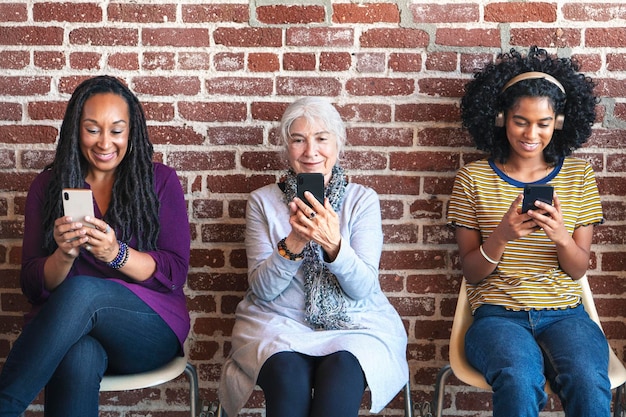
{"x":121,"y":258}
{"x":286,"y":253}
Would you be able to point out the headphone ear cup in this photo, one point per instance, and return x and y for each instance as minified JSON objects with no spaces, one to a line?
{"x":500,"y":119}
{"x":559,"y":121}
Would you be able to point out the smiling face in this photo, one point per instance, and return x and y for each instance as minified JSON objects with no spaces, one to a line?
{"x":104,"y":130}
{"x":311,"y":148}
{"x":529,"y":127}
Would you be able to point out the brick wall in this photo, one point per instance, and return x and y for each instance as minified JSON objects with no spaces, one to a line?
{"x":215,"y":78}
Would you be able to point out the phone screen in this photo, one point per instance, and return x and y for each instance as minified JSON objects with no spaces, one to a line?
{"x":78,"y":203}
{"x":533,"y":193}
{"x":313,"y":182}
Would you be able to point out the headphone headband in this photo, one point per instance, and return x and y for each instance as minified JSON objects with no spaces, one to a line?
{"x":533,"y":75}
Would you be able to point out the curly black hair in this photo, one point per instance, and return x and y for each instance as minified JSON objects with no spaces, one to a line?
{"x":134,"y":206}
{"x":484,"y":99}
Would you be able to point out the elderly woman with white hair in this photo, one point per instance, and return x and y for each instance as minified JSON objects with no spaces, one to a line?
{"x":314,"y":329}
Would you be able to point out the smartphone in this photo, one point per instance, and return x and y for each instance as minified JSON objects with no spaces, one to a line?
{"x":313,"y":182}
{"x":78,"y":203}
{"x":533,"y":193}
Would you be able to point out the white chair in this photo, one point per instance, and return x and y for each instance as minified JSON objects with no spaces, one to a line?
{"x":466,"y":373}
{"x":408,"y":404}
{"x":158,"y":376}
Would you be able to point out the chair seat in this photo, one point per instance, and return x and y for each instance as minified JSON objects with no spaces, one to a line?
{"x":151,"y":378}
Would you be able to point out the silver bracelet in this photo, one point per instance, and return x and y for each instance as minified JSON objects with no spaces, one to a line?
{"x":487,"y":258}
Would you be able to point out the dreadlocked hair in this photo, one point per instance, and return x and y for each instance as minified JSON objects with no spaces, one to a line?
{"x":134,"y":207}
{"x":484,"y":99}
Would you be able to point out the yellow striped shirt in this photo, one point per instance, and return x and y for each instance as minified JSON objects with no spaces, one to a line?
{"x":528,"y":275}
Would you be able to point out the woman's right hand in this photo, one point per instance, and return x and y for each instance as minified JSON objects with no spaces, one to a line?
{"x":514,"y":223}
{"x":69,"y":236}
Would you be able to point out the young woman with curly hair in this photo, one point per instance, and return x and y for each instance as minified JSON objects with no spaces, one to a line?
{"x":107,"y":298}
{"x":529,"y":113}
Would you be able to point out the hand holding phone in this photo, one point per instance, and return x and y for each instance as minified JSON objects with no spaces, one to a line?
{"x":78,"y":203}
{"x":313,"y":182}
{"x":533,"y":193}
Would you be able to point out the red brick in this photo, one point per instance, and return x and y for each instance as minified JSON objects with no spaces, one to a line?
{"x":394,"y":38}
{"x":263,"y":161}
{"x":11,"y":181}
{"x":391,"y":209}
{"x":175,"y":135}
{"x":369,"y":86}
{"x":548,"y":38}
{"x":427,"y":112}
{"x":320,"y":36}
{"x":201,"y":161}
{"x":212,"y":111}
{"x":227,"y":61}
{"x":166,"y":85}
{"x":295,"y":61}
{"x":366,"y":13}
{"x":468,"y":37}
{"x":405,"y":62}
{"x":199,"y":13}
{"x":46,"y":110}
{"x":10,"y":111}
{"x":263,"y":62}
{"x":7,"y":159}
{"x":141,"y":13}
{"x":423,"y":161}
{"x":400,"y":233}
{"x":27,"y":134}
{"x":385,"y":137}
{"x":364,"y":160}
{"x":248,"y":37}
{"x":601,"y":12}
{"x":282,"y":15}
{"x":305,"y":86}
{"x":588,"y":62}
{"x":159,"y":61}
{"x":237,"y":183}
{"x":441,"y":61}
{"x":371,"y":62}
{"x":49,"y":60}
{"x":207,"y":209}
{"x":232,"y":135}
{"x":14,"y":59}
{"x":33,"y":159}
{"x":179,"y":37}
{"x":335,"y":61}
{"x":105,"y":36}
{"x":85,"y":60}
{"x":67,"y":12}
{"x":520,"y":12}
{"x":161,"y":112}
{"x":13,"y":12}
{"x":269,"y":111}
{"x":445,"y":13}
{"x":194,"y":61}
{"x":31,"y":35}
{"x":365,"y":112}
{"x":126,"y":61}
{"x":385,"y":184}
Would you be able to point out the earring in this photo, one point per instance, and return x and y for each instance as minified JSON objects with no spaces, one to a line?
{"x":558,"y":122}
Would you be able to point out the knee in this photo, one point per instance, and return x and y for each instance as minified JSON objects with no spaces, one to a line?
{"x":85,"y":362}
{"x":287,"y":369}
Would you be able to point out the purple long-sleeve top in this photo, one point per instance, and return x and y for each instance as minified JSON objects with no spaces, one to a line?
{"x":163,"y":292}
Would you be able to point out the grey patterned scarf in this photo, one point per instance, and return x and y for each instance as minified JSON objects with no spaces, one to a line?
{"x":325,"y":307}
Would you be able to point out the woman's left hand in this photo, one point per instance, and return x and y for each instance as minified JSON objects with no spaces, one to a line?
{"x":550,"y":219}
{"x":101,"y":242}
{"x":319,"y":223}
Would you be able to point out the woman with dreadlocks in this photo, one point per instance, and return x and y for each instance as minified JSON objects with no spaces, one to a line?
{"x":529,"y":113}
{"x":107,"y":298}
{"x":315,"y":328}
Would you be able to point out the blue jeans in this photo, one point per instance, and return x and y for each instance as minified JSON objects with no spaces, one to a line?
{"x":88,"y":326}
{"x":517,"y":350}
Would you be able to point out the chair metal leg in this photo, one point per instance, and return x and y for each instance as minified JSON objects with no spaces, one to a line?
{"x":440,"y":387}
{"x":618,"y":405}
{"x":408,"y":402}
{"x":194,"y":396}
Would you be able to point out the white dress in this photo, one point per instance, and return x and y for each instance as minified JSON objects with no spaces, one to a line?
{"x":270,"y":319}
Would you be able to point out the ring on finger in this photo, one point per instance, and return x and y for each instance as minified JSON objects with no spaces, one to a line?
{"x":88,"y":248}
{"x":312,"y":215}
{"x":107,"y":230}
